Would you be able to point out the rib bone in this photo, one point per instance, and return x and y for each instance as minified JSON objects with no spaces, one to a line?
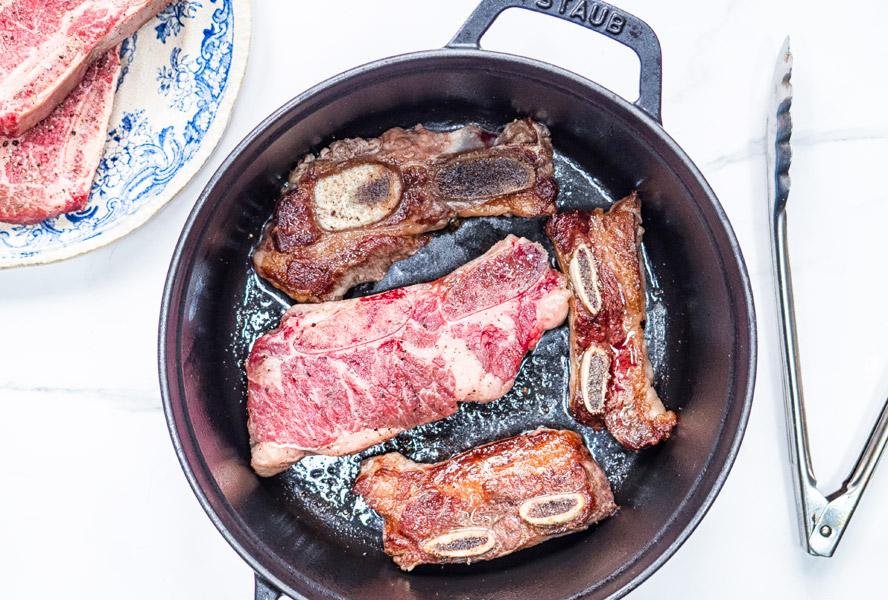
{"x":482,"y":176}
{"x":553,"y":509}
{"x":357,"y":195}
{"x":470,"y":541}
{"x":594,"y":375}
{"x":584,"y":278}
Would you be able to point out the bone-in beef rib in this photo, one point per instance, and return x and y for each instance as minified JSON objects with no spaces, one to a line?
{"x":339,"y":377}
{"x":611,"y":379}
{"x":361,"y":204}
{"x":487,"y":502}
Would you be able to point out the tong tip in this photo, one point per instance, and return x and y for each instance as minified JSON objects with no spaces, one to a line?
{"x":780,"y":129}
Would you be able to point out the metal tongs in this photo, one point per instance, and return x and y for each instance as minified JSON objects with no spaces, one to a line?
{"x":822,"y":519}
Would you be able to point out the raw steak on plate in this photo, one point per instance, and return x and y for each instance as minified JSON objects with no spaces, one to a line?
{"x":49,"y":170}
{"x":46,"y":46}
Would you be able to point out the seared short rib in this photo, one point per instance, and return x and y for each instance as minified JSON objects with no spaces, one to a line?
{"x":361,"y":204}
{"x":487,"y":502}
{"x":611,"y":379}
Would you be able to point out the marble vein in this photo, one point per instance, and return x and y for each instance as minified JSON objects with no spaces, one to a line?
{"x":129,"y":400}
{"x":756,"y":146}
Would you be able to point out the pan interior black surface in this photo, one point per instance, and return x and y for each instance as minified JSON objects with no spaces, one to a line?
{"x":318,"y":488}
{"x":303,"y":529}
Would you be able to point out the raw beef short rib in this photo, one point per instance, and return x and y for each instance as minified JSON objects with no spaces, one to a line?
{"x":46,"y":47}
{"x":339,"y":377}
{"x":487,"y":502}
{"x":361,"y":204}
{"x":49,"y":170}
{"x":611,"y":379}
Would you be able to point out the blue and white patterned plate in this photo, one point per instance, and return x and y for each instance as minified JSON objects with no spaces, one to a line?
{"x":181,"y":74}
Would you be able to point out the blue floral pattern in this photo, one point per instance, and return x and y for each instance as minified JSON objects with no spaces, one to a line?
{"x":127,"y":50}
{"x":177,"y":80}
{"x":149,"y":140}
{"x":172,"y":18}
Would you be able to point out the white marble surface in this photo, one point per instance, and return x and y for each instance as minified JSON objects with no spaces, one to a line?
{"x":93,"y":504}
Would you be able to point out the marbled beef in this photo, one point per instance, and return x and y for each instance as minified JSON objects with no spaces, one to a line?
{"x":49,"y":170}
{"x":46,"y":47}
{"x":339,"y":377}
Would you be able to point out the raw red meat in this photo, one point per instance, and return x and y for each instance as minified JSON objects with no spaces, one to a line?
{"x":46,"y":47}
{"x":339,"y":377}
{"x":49,"y":170}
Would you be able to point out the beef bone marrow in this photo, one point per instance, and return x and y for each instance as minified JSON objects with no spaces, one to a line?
{"x":338,"y":377}
{"x":487,"y":502}
{"x":611,"y":379}
{"x":359,"y":205}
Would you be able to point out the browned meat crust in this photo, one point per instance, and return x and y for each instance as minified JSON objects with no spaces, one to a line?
{"x":612,"y":339}
{"x":487,"y":502}
{"x":362,"y":204}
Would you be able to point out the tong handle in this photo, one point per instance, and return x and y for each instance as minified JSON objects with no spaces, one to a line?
{"x":871,"y":453}
{"x":809,"y":501}
{"x":831,"y":523}
{"x":822,"y":520}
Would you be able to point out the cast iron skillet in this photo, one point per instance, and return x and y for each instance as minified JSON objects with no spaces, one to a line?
{"x":303,"y":532}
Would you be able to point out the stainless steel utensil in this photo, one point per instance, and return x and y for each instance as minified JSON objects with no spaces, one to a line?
{"x":822,"y":519}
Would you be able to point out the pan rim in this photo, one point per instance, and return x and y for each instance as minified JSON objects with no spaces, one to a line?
{"x":241,"y":537}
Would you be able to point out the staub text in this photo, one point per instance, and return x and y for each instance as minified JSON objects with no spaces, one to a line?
{"x":593,"y":13}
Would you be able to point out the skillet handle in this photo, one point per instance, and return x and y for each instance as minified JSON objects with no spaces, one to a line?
{"x":597,"y":16}
{"x":264,"y":590}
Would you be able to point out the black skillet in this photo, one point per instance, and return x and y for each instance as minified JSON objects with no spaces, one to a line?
{"x":303,"y":532}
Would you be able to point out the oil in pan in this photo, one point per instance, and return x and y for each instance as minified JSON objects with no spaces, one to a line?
{"x":318,"y":488}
